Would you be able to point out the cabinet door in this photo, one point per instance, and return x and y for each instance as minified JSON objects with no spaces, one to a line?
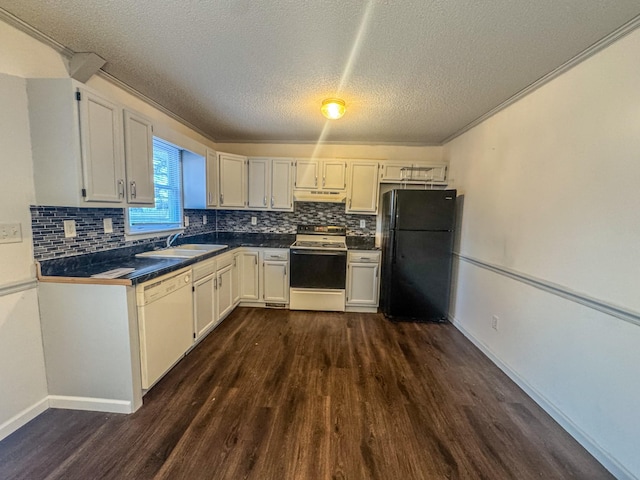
{"x":235,"y":279}
{"x":233,"y":180}
{"x":204,"y":311}
{"x":334,"y":175}
{"x":224,"y":291}
{"x":249,"y":279}
{"x":362,"y":284}
{"x":307,"y":174}
{"x":101,"y":145}
{"x":276,"y":281}
{"x":138,"y":155}
{"x":212,"y":178}
{"x":363,"y":188}
{"x":259,"y":183}
{"x":282,"y":184}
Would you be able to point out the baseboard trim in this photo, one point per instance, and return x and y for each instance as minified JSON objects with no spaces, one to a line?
{"x":22,"y":418}
{"x":610,"y":463}
{"x":90,"y":404}
{"x":360,"y":309}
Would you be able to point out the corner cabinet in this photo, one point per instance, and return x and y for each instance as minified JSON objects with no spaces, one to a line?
{"x":363,"y":280}
{"x":363,"y":187}
{"x":87,"y":150}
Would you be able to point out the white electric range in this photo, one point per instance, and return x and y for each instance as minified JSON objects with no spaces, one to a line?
{"x":318,"y":266}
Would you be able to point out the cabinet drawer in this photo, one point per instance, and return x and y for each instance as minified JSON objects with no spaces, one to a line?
{"x":224,"y":261}
{"x":276,"y":255}
{"x":363,"y":257}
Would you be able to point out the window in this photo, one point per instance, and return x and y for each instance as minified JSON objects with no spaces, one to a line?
{"x":167,"y":214}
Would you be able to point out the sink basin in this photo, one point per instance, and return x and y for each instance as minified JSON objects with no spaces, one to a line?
{"x":207,"y":247}
{"x":182,"y":251}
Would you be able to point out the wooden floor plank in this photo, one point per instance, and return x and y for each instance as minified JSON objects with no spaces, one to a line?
{"x":278,"y":394}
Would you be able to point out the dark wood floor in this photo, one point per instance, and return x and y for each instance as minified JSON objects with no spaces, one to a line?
{"x":274,"y":394}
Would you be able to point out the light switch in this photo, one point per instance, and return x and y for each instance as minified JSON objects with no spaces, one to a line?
{"x":204,"y":219}
{"x":69,"y":228}
{"x":107,"y":223}
{"x":363,"y":223}
{"x":186,"y":221}
{"x":254,"y":220}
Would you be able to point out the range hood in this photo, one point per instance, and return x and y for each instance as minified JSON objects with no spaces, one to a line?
{"x":319,"y":196}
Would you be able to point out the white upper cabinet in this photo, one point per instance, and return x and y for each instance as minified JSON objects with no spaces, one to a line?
{"x":406,"y":172}
{"x":259,"y":184}
{"x":200,"y":179}
{"x":307,"y":174}
{"x":321,"y":174}
{"x":233,"y":180}
{"x":362,"y":194}
{"x":282,"y":172}
{"x":87,"y":151}
{"x":138,"y":154}
{"x":334,"y":174}
{"x":101,"y":146}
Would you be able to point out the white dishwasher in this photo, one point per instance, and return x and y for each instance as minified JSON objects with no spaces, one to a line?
{"x":165,"y":320}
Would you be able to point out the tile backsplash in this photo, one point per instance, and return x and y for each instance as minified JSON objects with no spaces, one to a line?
{"x":49,"y":240}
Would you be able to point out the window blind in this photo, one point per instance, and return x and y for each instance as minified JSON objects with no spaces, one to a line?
{"x":167,"y":213}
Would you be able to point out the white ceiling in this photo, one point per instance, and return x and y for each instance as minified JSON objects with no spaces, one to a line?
{"x":411,"y":72}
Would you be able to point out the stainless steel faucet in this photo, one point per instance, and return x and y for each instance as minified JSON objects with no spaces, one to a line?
{"x":172,"y":238}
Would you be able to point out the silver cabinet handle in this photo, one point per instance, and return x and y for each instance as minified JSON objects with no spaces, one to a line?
{"x":264,"y":201}
{"x":316,"y":183}
{"x":324,"y":181}
{"x":221,"y":198}
{"x":215,"y":283}
{"x":271,"y":202}
{"x":220,"y":277}
{"x":133,"y":189}
{"x":210,"y":198}
{"x":121,"y":188}
{"x":349,"y":203}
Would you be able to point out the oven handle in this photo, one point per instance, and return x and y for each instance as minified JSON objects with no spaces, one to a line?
{"x":341,"y":253}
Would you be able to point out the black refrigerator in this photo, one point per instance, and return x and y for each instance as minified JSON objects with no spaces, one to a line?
{"x":417,"y":243}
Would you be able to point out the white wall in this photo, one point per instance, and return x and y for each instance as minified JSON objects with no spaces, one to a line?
{"x":23,"y":384}
{"x":550,"y":188}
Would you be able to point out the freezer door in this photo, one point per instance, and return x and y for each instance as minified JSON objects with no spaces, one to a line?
{"x":424,"y":209}
{"x":418,"y":280}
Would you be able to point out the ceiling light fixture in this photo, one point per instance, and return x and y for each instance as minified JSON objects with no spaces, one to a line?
{"x":333,"y":108}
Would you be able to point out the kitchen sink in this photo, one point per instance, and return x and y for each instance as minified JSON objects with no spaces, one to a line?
{"x":183,"y":251}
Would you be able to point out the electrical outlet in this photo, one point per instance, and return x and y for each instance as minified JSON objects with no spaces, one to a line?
{"x":204,"y":219}
{"x":363,"y":224}
{"x":494,"y":322}
{"x":10,"y":233}
{"x":69,"y":228}
{"x":254,"y":220}
{"x":107,"y":223}
{"x":186,"y":221}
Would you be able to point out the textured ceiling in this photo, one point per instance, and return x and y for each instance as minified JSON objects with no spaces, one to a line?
{"x":412,"y":71}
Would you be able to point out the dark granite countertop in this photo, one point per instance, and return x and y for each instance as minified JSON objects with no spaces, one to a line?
{"x":84,"y":266}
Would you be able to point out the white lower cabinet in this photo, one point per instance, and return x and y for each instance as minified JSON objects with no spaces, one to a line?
{"x":363,"y":280}
{"x":249,"y":276}
{"x":224,"y":294}
{"x":275,"y":276}
{"x":204,"y":297}
{"x":235,"y":279}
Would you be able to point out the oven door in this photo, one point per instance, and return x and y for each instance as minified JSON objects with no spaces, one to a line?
{"x":318,"y":269}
